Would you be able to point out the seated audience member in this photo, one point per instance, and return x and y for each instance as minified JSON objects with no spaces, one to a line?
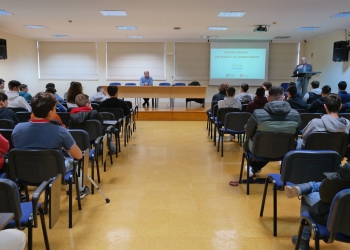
{"x":267,"y":86}
{"x":100,"y":96}
{"x":2,"y":85}
{"x":313,"y":94}
{"x":75,"y":89}
{"x":299,"y":95}
{"x":244,"y":95}
{"x":276,"y":116}
{"x":330,"y":122}
{"x":316,"y":198}
{"x":345,"y":96}
{"x":39,"y":133}
{"x":59,"y":106}
{"x":12,"y":239}
{"x":52,"y":85}
{"x":24,"y":92}
{"x":4,"y":147}
{"x":6,"y":113}
{"x":318,"y":105}
{"x":230,"y":101}
{"x":114,"y":102}
{"x":259,"y":100}
{"x":14,"y":100}
{"x":294,"y":101}
{"x":222,"y":92}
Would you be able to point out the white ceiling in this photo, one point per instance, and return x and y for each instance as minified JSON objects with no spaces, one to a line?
{"x":155,"y":19}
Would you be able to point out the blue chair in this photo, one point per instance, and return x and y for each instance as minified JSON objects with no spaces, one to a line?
{"x":220,"y":119}
{"x":179,"y":84}
{"x":25,"y":214}
{"x":130,"y":84}
{"x":115,"y":84}
{"x":338,"y":223}
{"x":164,"y":84}
{"x":285,"y":86}
{"x":299,"y":166}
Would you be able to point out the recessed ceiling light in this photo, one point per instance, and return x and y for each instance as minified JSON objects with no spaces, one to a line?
{"x":113,"y":12}
{"x":126,"y":28}
{"x":5,"y":13}
{"x":281,"y":37}
{"x":341,"y":14}
{"x":209,"y":37}
{"x":60,"y":36}
{"x":135,"y":37}
{"x":217,"y":28}
{"x":308,"y":28}
{"x":35,"y":26}
{"x":231,"y":14}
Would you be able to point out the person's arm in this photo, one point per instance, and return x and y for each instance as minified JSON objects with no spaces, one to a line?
{"x":313,"y":107}
{"x":251,"y":126}
{"x":126,"y":109}
{"x":306,"y":96}
{"x":75,"y":152}
{"x":296,"y":69}
{"x":310,"y":68}
{"x":4,"y":145}
{"x":141,"y":83}
{"x":60,"y":99}
{"x":150,"y":81}
{"x":23,"y":103}
{"x":61,"y":108}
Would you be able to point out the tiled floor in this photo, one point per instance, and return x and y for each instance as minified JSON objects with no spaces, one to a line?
{"x":169,"y":190}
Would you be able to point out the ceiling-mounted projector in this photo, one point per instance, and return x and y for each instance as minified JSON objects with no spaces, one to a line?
{"x":261,"y":28}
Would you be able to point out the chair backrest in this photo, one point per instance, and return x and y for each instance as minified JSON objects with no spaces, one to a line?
{"x":307,"y":117}
{"x":23,"y":116}
{"x":327,"y":141}
{"x":130,"y":84}
{"x":18,"y":109}
{"x":6,"y":123}
{"x":301,"y":111}
{"x":95,"y":105}
{"x":215,"y":110}
{"x":284,"y":85}
{"x":107,"y":116}
{"x":10,"y":200}
{"x":223,"y":111}
{"x":236,"y":120}
{"x":244,"y":107}
{"x":302,"y":166}
{"x":164,"y":84}
{"x":7,"y":134}
{"x":81,"y":138}
{"x":273,"y":145}
{"x":180,"y":84}
{"x":339,"y":218}
{"x":129,"y":103}
{"x":36,"y":165}
{"x":92,"y":127}
{"x":115,"y":84}
{"x":117,"y":112}
{"x":345,"y":115}
{"x":65,"y":117}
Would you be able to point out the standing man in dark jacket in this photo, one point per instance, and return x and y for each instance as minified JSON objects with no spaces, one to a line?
{"x":318,"y":105}
{"x":276,"y":116}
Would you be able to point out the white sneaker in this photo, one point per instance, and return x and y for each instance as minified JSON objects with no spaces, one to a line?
{"x":230,"y":138}
{"x":251,"y":173}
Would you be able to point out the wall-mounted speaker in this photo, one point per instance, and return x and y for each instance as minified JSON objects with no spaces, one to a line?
{"x":340,"y":51}
{"x":3,"y":49}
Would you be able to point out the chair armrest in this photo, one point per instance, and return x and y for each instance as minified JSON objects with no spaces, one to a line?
{"x":35,"y":200}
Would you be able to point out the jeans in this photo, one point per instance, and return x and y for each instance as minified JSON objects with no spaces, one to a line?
{"x":299,"y":84}
{"x":310,"y":196}
{"x":256,"y":165}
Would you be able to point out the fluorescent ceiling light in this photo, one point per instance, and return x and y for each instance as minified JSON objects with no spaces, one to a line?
{"x":5,"y":13}
{"x":135,"y":37}
{"x":341,"y":14}
{"x":126,"y":28}
{"x":231,"y":14}
{"x":60,"y":36}
{"x":217,"y":28}
{"x":209,"y":37}
{"x":35,"y":26}
{"x":113,"y":12}
{"x":308,"y":28}
{"x":281,"y":37}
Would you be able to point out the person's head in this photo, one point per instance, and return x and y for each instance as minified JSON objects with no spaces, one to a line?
{"x":267,"y":85}
{"x":44,"y":105}
{"x":23,"y":88}
{"x":326,"y":89}
{"x":146,"y":73}
{"x":332,"y":103}
{"x":342,"y":85}
{"x":14,"y":85}
{"x":50,"y":90}
{"x":223,"y":87}
{"x":2,"y":83}
{"x":276,"y":93}
{"x":292,"y":91}
{"x":100,"y":89}
{"x":244,"y":87}
{"x":303,"y":60}
{"x":82,"y":100}
{"x":75,"y":89}
{"x":260,"y":92}
{"x":50,"y":85}
{"x":292,"y":84}
{"x":315,"y":84}
{"x":112,"y":91}
{"x":230,"y":92}
{"x":3,"y":100}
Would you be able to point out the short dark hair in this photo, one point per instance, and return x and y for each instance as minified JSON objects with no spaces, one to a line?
{"x":342,"y":85}
{"x":292,"y":90}
{"x":260,"y":92}
{"x":99,"y":88}
{"x":50,"y":85}
{"x":333,"y":102}
{"x":23,"y":86}
{"x":292,"y":84}
{"x":267,"y":85}
{"x":276,"y":91}
{"x":223,"y":87}
{"x":3,"y":97}
{"x":42,"y":103}
{"x":2,"y":81}
{"x":81,"y":100}
{"x":13,"y":84}
{"x":231,"y":91}
{"x":51,"y":90}
{"x":315,"y":84}
{"x":326,"y":89}
{"x":112,"y":90}
{"x":245,"y":87}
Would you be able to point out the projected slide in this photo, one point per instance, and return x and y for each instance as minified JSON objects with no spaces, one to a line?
{"x":242,"y":63}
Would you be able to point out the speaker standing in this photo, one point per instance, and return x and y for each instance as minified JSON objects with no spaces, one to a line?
{"x":302,"y":68}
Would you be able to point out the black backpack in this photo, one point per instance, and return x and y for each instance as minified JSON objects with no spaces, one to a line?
{"x":194,"y":83}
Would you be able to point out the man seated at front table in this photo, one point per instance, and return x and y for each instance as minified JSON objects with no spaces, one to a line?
{"x":276,"y":116}
{"x":16,"y":101}
{"x":146,"y":80}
